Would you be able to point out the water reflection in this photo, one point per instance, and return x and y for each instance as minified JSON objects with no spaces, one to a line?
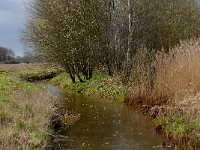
{"x":106,"y":126}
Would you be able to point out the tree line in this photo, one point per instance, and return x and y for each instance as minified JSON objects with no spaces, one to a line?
{"x":88,"y":35}
{"x":8,"y":56}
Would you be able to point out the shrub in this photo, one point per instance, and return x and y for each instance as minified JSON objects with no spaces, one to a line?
{"x":39,"y":75}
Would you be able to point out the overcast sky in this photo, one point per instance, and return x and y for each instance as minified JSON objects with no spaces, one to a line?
{"x":11,"y":23}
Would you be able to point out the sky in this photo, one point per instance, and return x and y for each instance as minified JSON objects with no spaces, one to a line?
{"x":12,"y":20}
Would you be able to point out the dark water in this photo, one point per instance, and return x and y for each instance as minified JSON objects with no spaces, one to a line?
{"x":106,"y":126}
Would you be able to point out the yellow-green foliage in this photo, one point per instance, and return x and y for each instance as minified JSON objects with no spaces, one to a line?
{"x":100,"y":85}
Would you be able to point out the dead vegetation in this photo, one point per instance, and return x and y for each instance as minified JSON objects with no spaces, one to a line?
{"x":177,"y":74}
{"x":25,"y":114}
{"x":20,"y":67}
{"x":175,"y":91}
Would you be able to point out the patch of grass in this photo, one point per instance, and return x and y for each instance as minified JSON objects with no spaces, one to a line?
{"x":21,"y":124}
{"x":40,"y":75}
{"x":25,"y":113}
{"x":101,"y":85}
{"x":29,"y":87}
{"x":61,"y":80}
{"x":5,"y":118}
{"x":180,"y":129}
{"x":176,"y":125}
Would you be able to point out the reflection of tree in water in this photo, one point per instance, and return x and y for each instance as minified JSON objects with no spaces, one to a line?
{"x":107,"y":126}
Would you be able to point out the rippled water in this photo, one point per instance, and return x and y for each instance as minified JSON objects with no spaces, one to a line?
{"x":106,"y":126}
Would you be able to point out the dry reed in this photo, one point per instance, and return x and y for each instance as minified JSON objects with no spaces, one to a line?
{"x":177,"y":75}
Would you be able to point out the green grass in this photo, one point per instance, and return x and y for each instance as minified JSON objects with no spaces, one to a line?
{"x":20,"y":114}
{"x":101,"y":85}
{"x":37,"y":75}
{"x":180,"y":129}
{"x":5,"y":84}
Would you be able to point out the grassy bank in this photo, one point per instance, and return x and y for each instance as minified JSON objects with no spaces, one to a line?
{"x":32,"y":72}
{"x":25,"y":113}
{"x":40,"y":75}
{"x":29,"y":114}
{"x":101,"y":85}
{"x":173,"y":101}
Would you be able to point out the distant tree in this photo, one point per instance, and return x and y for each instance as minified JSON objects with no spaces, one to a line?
{"x":27,"y":58}
{"x":6,"y":55}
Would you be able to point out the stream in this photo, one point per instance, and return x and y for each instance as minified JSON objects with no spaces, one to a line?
{"x":105,"y":125}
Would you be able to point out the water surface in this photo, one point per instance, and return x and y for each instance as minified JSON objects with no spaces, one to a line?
{"x":105,"y":125}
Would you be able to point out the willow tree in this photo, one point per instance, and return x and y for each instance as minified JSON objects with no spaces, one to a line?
{"x":66,"y":32}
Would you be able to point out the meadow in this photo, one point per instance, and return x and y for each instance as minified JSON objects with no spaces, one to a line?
{"x":26,"y":109}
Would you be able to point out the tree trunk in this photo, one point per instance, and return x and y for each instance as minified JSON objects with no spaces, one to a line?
{"x":128,"y":57}
{"x":109,"y":68}
{"x":72,"y":76}
{"x":90,"y":73}
{"x":130,"y":31}
{"x":85,"y":73}
{"x":77,"y":70}
{"x":81,"y":80}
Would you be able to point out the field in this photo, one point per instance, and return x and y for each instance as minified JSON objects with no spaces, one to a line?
{"x":25,"y":110}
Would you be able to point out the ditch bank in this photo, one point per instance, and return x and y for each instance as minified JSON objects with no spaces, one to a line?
{"x":26,"y":110}
{"x":104,"y":125}
{"x":169,"y":120}
{"x":175,"y":121}
{"x":101,"y":85}
{"x":175,"y":127}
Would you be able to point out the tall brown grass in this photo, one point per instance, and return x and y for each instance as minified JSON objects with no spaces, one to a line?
{"x":177,"y":75}
{"x":26,"y":110}
{"x":29,"y":128}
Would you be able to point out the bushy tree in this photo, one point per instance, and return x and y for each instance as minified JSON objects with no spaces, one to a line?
{"x":67,"y":33}
{"x":82,"y":35}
